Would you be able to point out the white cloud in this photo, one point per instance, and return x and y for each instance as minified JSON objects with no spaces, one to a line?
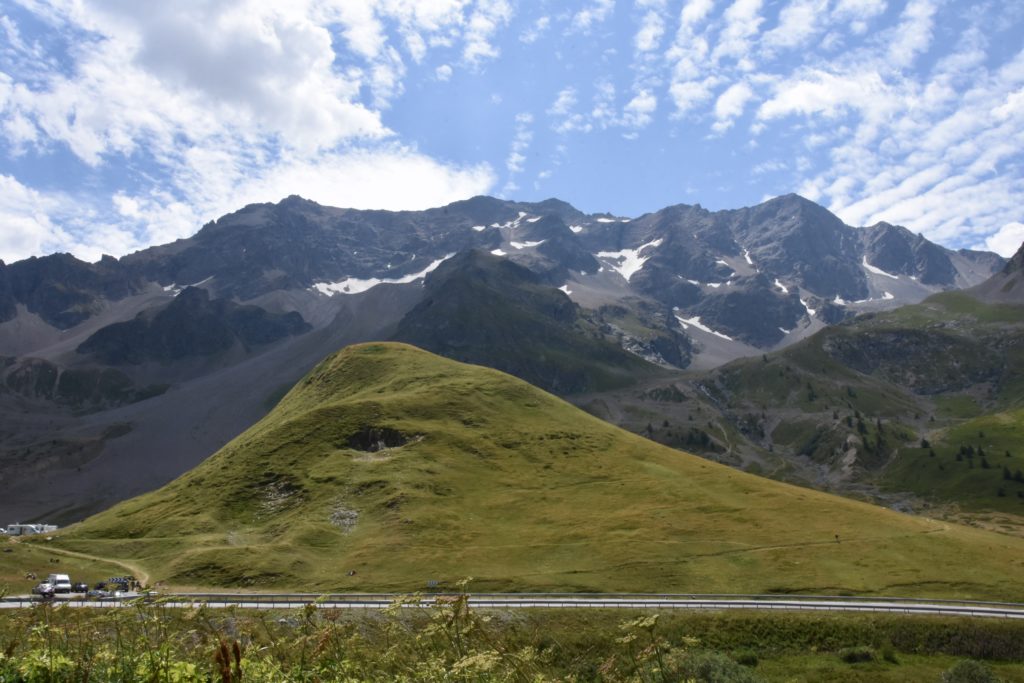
{"x":690,"y":84}
{"x":691,"y":94}
{"x":799,"y":22}
{"x":914,"y":33}
{"x":596,"y":12}
{"x":730,"y":105}
{"x":564,"y":102}
{"x":366,"y":179}
{"x":652,"y":28}
{"x":821,"y":92}
{"x":1005,"y":241}
{"x":768,"y":167}
{"x":488,"y":17}
{"x":603,"y":113}
{"x":536,"y":30}
{"x":858,"y":12}
{"x":520,"y":143}
{"x":227,"y":102}
{"x":637,"y":112}
{"x":36,"y":223}
{"x":742,"y":22}
{"x":151,"y":76}
{"x":27,"y":228}
{"x":695,"y":11}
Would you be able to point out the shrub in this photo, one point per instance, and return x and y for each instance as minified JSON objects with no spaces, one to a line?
{"x":713,"y":667}
{"x":746,"y":658}
{"x":969,"y":671}
{"x":861,"y":653}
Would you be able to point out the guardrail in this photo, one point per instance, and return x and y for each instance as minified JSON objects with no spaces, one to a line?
{"x":641,"y":601}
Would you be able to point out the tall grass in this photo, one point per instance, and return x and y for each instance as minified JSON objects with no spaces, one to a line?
{"x":451,"y":642}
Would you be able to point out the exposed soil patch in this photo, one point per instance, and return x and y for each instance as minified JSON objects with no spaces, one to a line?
{"x":373,"y":439}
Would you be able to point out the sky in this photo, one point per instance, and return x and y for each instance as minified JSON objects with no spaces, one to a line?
{"x":125,"y":124}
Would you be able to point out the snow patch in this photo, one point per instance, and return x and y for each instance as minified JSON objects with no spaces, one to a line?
{"x":354,"y":285}
{"x":840,"y":300}
{"x":630,"y":260}
{"x":810,"y":311}
{"x":533,"y":219}
{"x":565,"y":288}
{"x":526,"y":245}
{"x":886,"y":296}
{"x":512,"y":224}
{"x":577,"y":229}
{"x":877,"y":271}
{"x":692,"y":282}
{"x":498,"y":252}
{"x":783,"y":330}
{"x":723,"y":262}
{"x":695,"y":322}
{"x":716,"y":285}
{"x":781,"y":286}
{"x":174,"y":289}
{"x":479,"y":228}
{"x":746,"y":255}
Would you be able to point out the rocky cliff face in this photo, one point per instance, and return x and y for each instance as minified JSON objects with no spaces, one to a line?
{"x":743,"y":272}
{"x":190,"y":325}
{"x":483,"y":309}
{"x":1005,"y":286}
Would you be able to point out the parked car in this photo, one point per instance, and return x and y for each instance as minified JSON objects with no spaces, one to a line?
{"x":44,"y":590}
{"x":97,"y":593}
{"x":79,"y":587}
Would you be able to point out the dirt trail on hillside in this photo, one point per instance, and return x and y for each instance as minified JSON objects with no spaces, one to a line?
{"x":132,"y":569}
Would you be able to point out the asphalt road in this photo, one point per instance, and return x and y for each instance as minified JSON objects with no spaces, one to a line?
{"x":564,"y":601}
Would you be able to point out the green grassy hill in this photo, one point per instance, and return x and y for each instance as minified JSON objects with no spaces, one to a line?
{"x":857,"y":399}
{"x":388,"y":467}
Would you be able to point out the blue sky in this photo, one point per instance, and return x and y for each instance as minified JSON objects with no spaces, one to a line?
{"x":125,"y":124}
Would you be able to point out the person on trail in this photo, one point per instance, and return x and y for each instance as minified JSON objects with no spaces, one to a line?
{"x":837,"y":538}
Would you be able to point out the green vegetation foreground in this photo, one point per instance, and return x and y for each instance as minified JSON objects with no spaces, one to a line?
{"x":389,"y":469}
{"x":450,"y":642}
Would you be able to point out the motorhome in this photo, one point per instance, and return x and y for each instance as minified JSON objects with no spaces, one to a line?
{"x":29,"y":529}
{"x":61,"y":583}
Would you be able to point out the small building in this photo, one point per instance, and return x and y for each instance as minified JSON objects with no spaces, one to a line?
{"x":29,"y":529}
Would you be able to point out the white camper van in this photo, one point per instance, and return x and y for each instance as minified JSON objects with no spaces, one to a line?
{"x":61,"y":583}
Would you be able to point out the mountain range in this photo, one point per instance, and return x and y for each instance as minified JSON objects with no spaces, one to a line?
{"x":102,"y":363}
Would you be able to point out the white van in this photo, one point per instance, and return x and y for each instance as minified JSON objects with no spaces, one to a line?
{"x":61,"y":583}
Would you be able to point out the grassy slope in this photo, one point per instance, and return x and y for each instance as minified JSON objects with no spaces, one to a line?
{"x":518,"y":489}
{"x":935,"y":472}
{"x":18,"y":558}
{"x":967,"y":338}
